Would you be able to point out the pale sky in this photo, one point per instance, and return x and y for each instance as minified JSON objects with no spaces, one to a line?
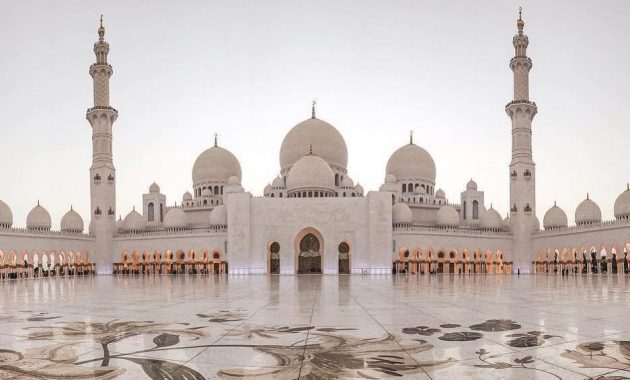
{"x":248,"y":71}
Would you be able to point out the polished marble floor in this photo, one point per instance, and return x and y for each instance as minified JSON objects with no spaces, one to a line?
{"x":316,"y":327}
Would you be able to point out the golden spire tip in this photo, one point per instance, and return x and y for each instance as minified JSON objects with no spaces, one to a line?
{"x":313,"y":104}
{"x":215,"y":140}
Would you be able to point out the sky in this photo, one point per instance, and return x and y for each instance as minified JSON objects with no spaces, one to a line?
{"x":248,"y":70}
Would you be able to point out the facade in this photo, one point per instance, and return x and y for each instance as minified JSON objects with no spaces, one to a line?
{"x":313,"y":217}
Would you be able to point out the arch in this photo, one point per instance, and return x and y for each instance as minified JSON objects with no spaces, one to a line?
{"x":273,"y":257}
{"x":311,"y":261}
{"x":191,"y":255}
{"x":475,"y":210}
{"x":404,"y":187}
{"x":464,"y":210}
{"x":1,"y":257}
{"x":161,"y":213}
{"x":150,"y":212}
{"x":344,"y":250}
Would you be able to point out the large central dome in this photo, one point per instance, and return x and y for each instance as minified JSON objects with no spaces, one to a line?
{"x":324,"y":139}
{"x":411,"y":162}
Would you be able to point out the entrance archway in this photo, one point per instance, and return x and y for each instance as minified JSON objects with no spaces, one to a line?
{"x":309,"y":247}
{"x":274,"y":258}
{"x":344,"y":258}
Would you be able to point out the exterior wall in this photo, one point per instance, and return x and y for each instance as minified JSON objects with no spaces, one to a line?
{"x":212,"y":240}
{"x":198,"y":217}
{"x":447,"y":240}
{"x":363,"y":222}
{"x":601,"y":236}
{"x":30,"y":241}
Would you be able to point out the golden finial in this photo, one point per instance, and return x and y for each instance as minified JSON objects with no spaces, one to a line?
{"x":314,"y":103}
{"x":101,"y":31}
{"x":587,"y":196}
{"x":215,"y":140}
{"x":520,"y":23}
{"x":554,"y":203}
{"x":411,"y":137}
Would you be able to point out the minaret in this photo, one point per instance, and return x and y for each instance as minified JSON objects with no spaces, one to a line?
{"x":102,"y":173}
{"x":522,"y":168}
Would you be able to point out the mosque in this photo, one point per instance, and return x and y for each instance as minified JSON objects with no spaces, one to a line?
{"x":313,"y":217}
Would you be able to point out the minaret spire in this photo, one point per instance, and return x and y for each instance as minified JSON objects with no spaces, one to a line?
{"x":522,"y":171}
{"x":102,"y":172}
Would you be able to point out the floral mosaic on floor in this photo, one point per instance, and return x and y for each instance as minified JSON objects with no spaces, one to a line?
{"x":315,"y":327}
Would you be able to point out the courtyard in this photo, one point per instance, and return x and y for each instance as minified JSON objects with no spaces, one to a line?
{"x":312,"y":326}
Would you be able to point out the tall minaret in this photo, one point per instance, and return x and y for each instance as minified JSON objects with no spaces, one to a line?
{"x":102,"y":173}
{"x":522,"y":168}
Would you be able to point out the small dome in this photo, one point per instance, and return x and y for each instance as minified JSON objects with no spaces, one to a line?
{"x":536,"y":224}
{"x":471,"y":185}
{"x":390,"y":178}
{"x":215,"y":165}
{"x":134,"y":222}
{"x":506,"y":222}
{"x":206,"y":193}
{"x":38,"y":219}
{"x":72,"y":222}
{"x":491,"y":219}
{"x":358,"y":189}
{"x":120,"y":224}
{"x":268,"y":189}
{"x":347,"y":182}
{"x":555,"y":217}
{"x":447,"y":216}
{"x":6,"y":216}
{"x":234,"y":180}
{"x":440,"y":193}
{"x":175,"y":218}
{"x":154,"y":188}
{"x":411,"y":162}
{"x":622,"y":205}
{"x":218,"y":216}
{"x":311,"y":172}
{"x":187,"y":196}
{"x":278,"y":182}
{"x":587,"y":212}
{"x":401,"y":214}
{"x":325,"y":140}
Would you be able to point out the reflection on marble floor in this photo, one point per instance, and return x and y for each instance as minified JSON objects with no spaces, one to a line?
{"x":313,"y":327}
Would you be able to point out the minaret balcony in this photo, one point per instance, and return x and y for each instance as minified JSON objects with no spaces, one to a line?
{"x":101,"y":108}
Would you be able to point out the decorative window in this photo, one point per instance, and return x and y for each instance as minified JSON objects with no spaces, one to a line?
{"x":151,"y":212}
{"x":475,"y":210}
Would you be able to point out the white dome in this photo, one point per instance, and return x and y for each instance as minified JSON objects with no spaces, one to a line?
{"x":175,"y":218}
{"x":38,"y":219}
{"x":134,"y":222}
{"x":215,"y":165}
{"x":347,"y":182}
{"x":491,"y":220}
{"x":471,"y":185}
{"x":311,"y":172}
{"x":622,"y":204}
{"x":278,"y":182}
{"x":411,"y":162}
{"x":588,"y":212}
{"x":506,"y":222}
{"x":358,"y":189}
{"x":440,"y":193}
{"x":324,"y":139}
{"x":6,"y":216}
{"x":72,"y":222}
{"x":555,"y":217}
{"x":401,"y":214}
{"x":447,"y":216}
{"x":206,"y":192}
{"x":120,"y":224}
{"x":187,"y":196}
{"x":390,"y":178}
{"x":218,"y":216}
{"x":536,"y":224}
{"x":268,"y":189}
{"x":234,"y":180}
{"x":154,"y":188}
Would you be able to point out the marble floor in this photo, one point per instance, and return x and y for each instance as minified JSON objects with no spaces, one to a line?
{"x":316,"y":327}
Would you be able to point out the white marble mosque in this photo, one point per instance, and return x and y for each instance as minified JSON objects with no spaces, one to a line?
{"x":432,"y":298}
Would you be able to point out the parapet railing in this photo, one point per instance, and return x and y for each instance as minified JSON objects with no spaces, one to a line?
{"x":449,"y":230}
{"x":190,"y":230}
{"x":42,"y":232}
{"x":624,"y":222}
